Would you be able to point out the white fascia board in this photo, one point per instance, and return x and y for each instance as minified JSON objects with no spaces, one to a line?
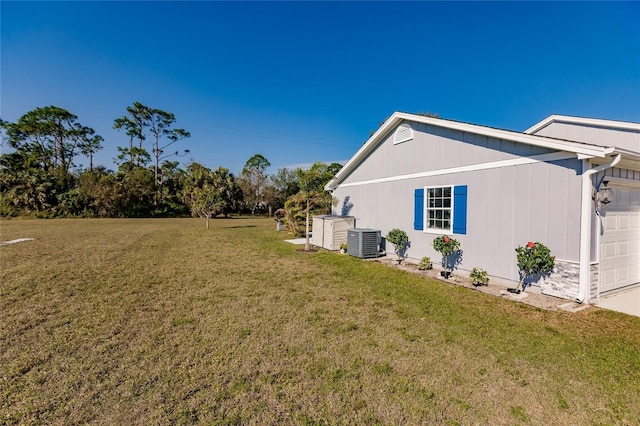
{"x":594,"y":122}
{"x":541,"y":141}
{"x":626,"y":153}
{"x":541,"y":125}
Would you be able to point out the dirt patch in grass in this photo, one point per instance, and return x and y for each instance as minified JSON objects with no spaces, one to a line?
{"x":311,"y":250}
{"x":532,"y":298}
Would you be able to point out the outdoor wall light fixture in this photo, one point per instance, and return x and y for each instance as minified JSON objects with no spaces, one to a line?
{"x":603,"y":196}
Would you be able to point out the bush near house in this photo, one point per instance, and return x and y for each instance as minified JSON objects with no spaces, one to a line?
{"x":479,"y":276}
{"x":400,"y":241}
{"x":446,"y":246}
{"x":533,"y":259}
{"x":425,"y":263}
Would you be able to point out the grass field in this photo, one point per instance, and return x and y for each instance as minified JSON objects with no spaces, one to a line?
{"x":163,"y":322}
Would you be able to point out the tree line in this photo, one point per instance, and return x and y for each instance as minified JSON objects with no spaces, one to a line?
{"x":39,"y":177}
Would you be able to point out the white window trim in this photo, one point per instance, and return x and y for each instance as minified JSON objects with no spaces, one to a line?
{"x":425,"y":218}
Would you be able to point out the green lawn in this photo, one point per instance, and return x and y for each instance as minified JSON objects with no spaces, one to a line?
{"x":160,"y":321}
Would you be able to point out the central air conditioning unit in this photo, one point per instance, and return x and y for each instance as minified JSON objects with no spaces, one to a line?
{"x":363,"y":243}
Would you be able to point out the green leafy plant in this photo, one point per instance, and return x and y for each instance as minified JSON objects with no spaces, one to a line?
{"x":400,"y":240}
{"x":479,"y":277}
{"x":533,"y":259}
{"x":446,"y":246}
{"x":343,"y":247}
{"x":425,"y":263}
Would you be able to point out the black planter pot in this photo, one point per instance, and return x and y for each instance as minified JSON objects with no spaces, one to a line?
{"x":445,"y":274}
{"x":514,"y":290}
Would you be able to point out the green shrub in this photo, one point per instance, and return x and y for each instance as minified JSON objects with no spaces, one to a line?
{"x":479,"y":277}
{"x":446,"y":245}
{"x":400,"y":240}
{"x":534,"y":258}
{"x":425,"y":263}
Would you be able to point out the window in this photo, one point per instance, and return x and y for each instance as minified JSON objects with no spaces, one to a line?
{"x":441,"y":209}
{"x":438,"y":203}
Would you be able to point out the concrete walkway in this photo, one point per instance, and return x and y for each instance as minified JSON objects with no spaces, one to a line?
{"x":297,"y":241}
{"x":626,"y":301}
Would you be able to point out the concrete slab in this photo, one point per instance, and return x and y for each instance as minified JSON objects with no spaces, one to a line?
{"x":19,"y":240}
{"x":573,"y":307}
{"x":626,"y":301}
{"x":297,"y":241}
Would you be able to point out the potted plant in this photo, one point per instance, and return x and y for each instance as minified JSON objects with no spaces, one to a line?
{"x":343,"y":248}
{"x":425,"y":263}
{"x":479,"y":277}
{"x":533,"y":259}
{"x":446,"y":246}
{"x":400,"y":241}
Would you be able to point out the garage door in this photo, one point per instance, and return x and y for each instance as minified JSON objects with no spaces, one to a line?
{"x":620,"y":241}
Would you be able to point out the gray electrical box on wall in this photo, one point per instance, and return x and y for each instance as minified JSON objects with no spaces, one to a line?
{"x":363,"y":243}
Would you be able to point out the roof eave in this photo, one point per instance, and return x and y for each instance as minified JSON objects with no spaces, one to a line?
{"x":580,"y":149}
{"x":595,"y":122}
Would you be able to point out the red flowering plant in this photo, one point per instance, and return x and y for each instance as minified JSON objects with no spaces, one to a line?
{"x":534,"y":259}
{"x":446,"y":246}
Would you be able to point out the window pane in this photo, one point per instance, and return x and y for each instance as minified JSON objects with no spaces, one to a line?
{"x":438,"y":211}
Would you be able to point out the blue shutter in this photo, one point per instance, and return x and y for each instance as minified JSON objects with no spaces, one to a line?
{"x":460,"y":209}
{"x":418,"y":214}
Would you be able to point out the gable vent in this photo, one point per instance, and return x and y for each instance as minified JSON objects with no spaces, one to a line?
{"x":404,"y":133}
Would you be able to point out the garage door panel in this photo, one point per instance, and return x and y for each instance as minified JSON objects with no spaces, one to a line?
{"x":609,"y":251}
{"x":620,"y":241}
{"x":610,"y":223}
{"x":623,"y":223}
{"x":622,"y":273}
{"x":608,"y":277}
{"x":623,"y":248}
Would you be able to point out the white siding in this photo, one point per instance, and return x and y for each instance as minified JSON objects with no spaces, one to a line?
{"x":627,"y":139}
{"x":507,"y":206}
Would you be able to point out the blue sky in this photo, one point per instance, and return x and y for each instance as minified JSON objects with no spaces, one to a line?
{"x":301,"y":82}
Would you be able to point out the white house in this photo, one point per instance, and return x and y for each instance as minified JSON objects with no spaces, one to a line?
{"x":494,"y":190}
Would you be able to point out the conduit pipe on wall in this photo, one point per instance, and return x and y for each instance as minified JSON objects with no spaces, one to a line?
{"x":585,"y":229}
